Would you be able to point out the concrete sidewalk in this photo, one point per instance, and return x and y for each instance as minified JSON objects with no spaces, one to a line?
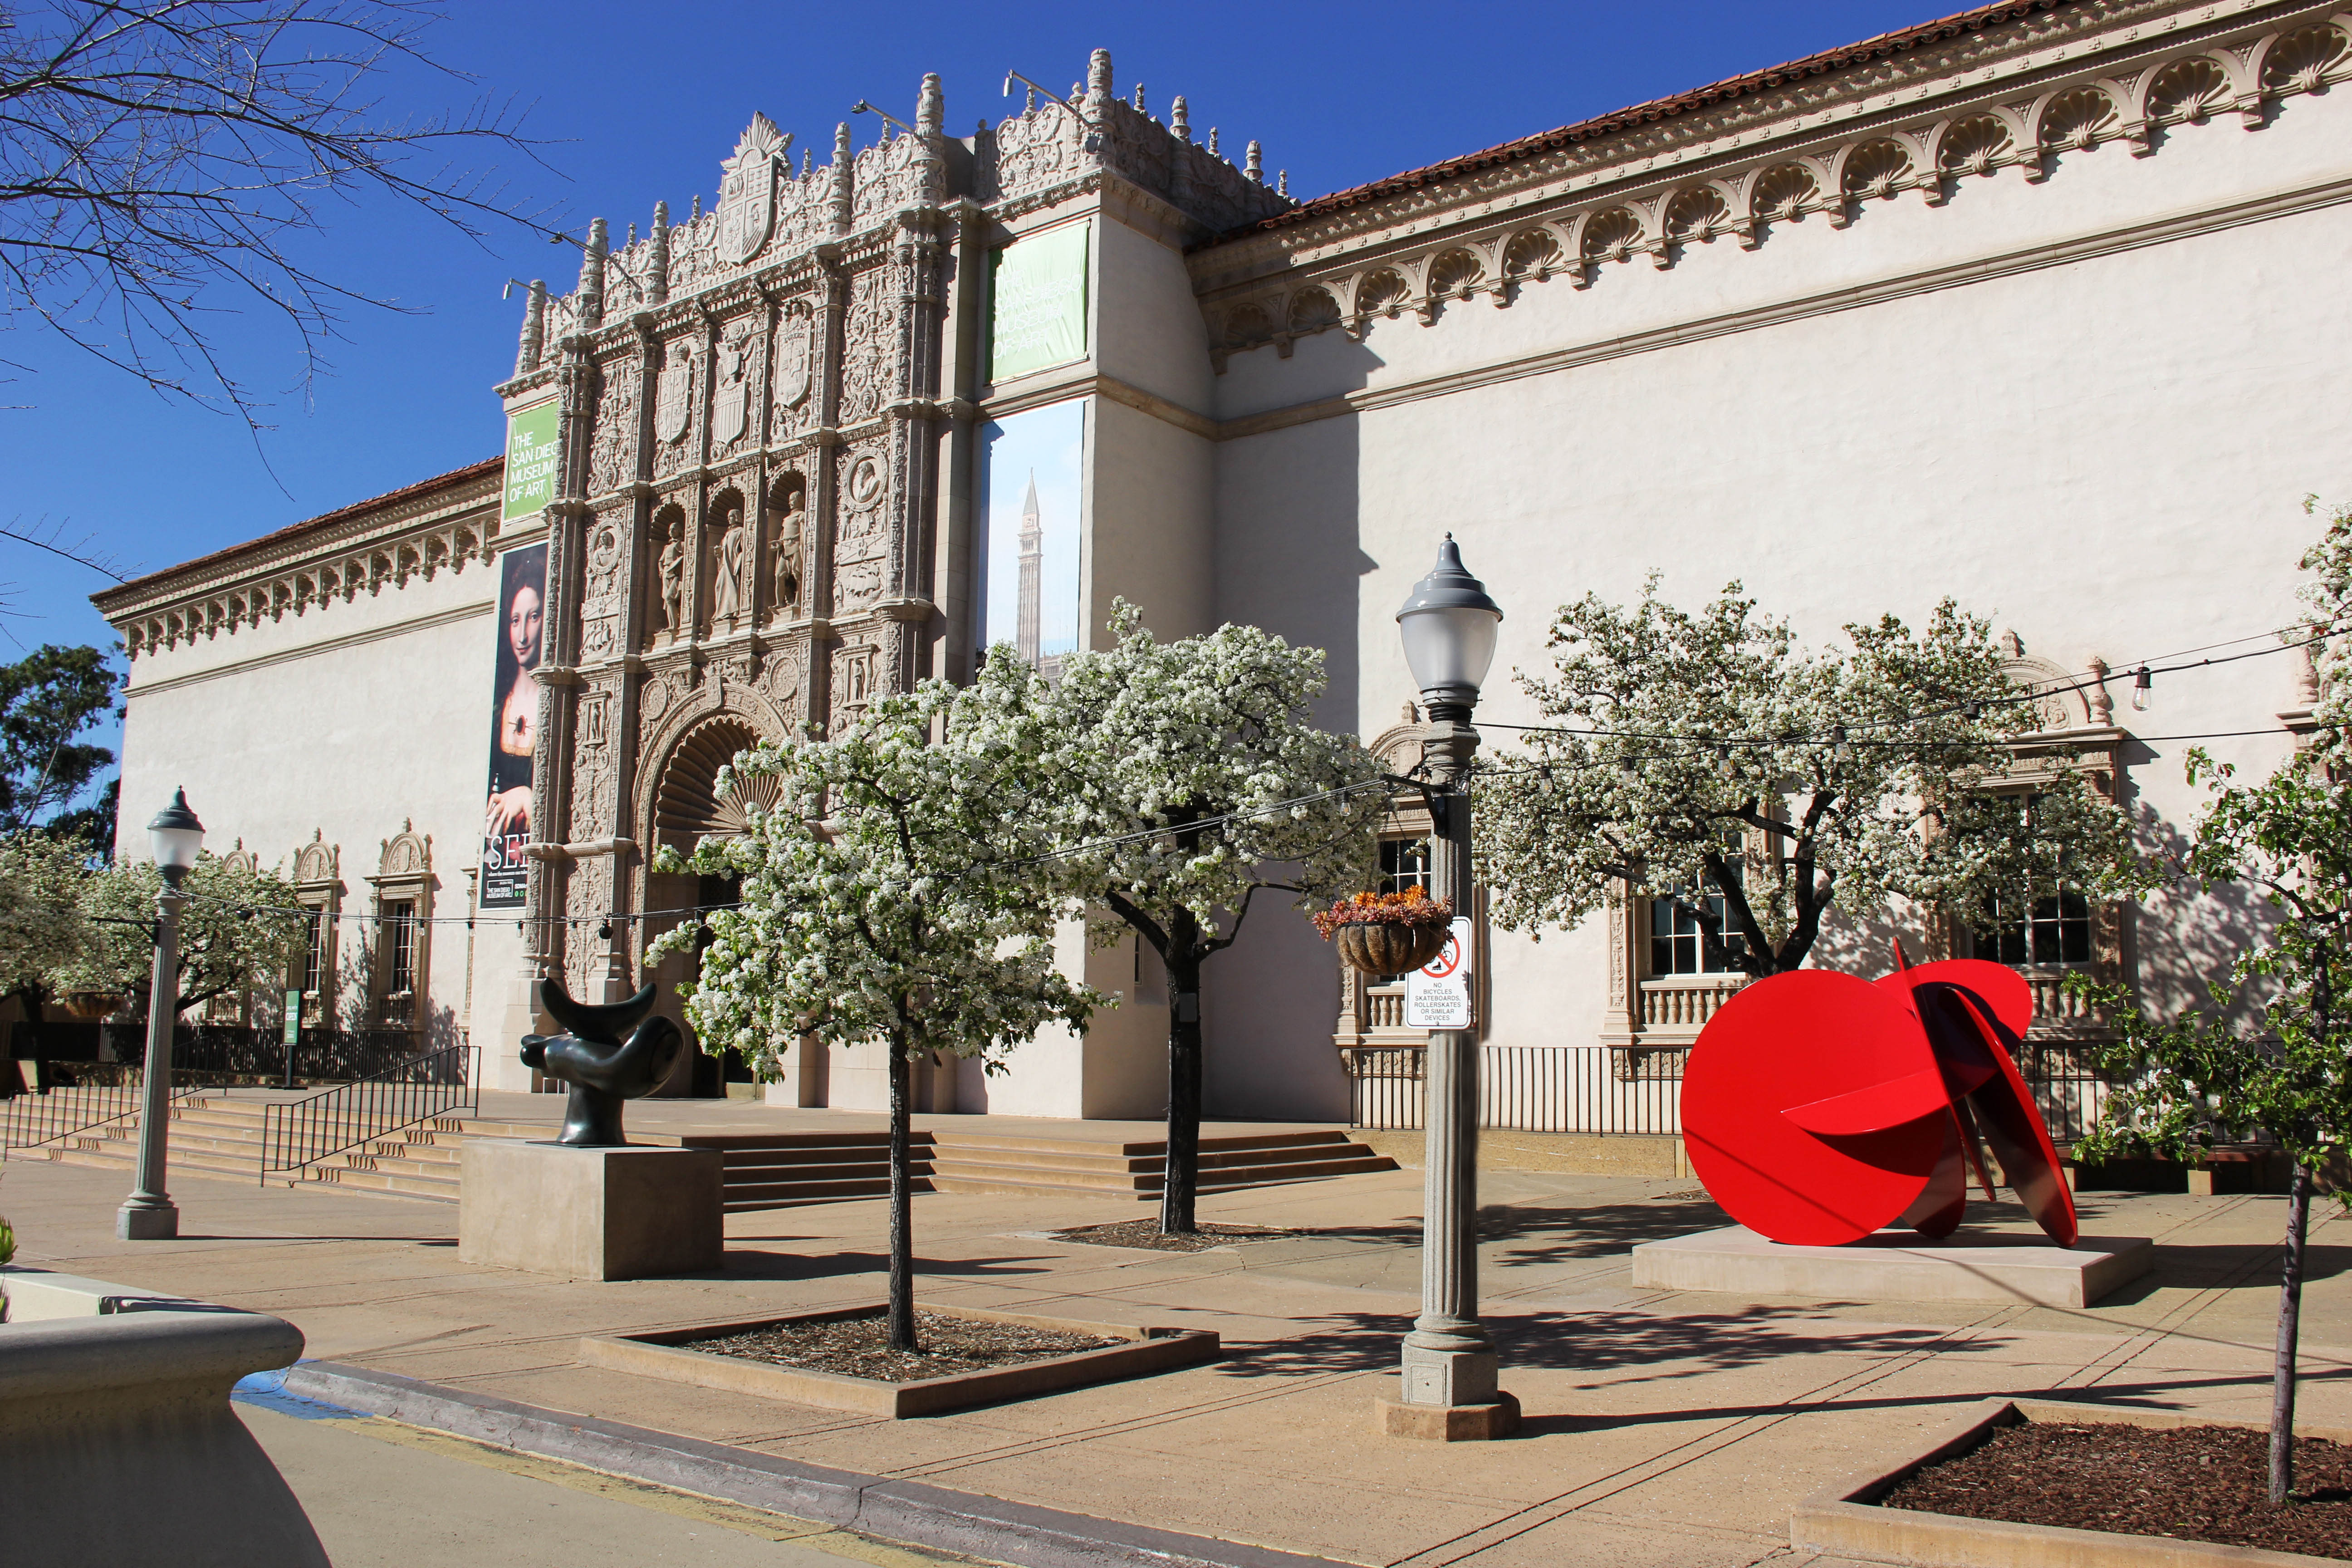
{"x":1662,"y":1428}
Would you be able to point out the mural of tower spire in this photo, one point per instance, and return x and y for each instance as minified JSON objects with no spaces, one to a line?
{"x":1032,"y":558}
{"x":1035,"y":538}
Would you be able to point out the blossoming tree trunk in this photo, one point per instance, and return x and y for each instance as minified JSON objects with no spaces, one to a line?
{"x":1182,"y":1178}
{"x":902,"y":1217}
{"x":2290,"y":1314}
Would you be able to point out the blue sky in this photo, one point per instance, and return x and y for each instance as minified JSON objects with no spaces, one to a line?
{"x":641,"y":101}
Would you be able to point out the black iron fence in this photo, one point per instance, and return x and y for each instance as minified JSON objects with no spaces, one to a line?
{"x":300,"y":1132}
{"x":66,"y":1110}
{"x":1613,"y":1090}
{"x":236,"y":1053}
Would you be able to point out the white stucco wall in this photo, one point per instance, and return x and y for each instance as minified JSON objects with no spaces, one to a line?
{"x":2106,"y":455}
{"x":348,"y":721}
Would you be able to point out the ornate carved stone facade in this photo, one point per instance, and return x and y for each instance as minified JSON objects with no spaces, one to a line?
{"x":755,"y":417}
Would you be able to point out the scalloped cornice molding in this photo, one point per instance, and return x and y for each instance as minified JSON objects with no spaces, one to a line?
{"x":367,"y":551}
{"x":2012,"y":97}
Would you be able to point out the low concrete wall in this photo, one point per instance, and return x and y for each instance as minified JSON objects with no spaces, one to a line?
{"x":118,"y":1445}
{"x":36,"y":1295}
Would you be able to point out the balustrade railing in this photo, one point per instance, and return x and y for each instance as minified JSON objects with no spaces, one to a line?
{"x":1606,"y":1091}
{"x":1682,"y":1003}
{"x":58,"y":1111}
{"x":298,"y":1133}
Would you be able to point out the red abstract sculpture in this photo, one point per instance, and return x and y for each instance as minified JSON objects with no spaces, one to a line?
{"x":1818,"y":1108}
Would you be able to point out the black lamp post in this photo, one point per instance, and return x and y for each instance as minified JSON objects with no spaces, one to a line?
{"x":1449,"y":624}
{"x":149,"y":1213}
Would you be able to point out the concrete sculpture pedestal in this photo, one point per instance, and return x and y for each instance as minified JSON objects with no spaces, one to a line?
{"x":615,"y":1212}
{"x":1896,"y":1266}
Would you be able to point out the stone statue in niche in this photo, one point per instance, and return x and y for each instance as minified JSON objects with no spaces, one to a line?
{"x":728,"y":559}
{"x":787,"y":525}
{"x":603,"y":1070}
{"x":672,"y":568}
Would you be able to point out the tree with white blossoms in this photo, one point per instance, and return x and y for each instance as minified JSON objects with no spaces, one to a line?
{"x":1887,"y":768}
{"x":2328,"y":590}
{"x":2270,"y":1058}
{"x":42,"y":927}
{"x":889,"y":895}
{"x":1185,"y":778}
{"x":238,"y":931}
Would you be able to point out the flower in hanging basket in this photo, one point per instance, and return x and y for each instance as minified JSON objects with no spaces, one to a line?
{"x":88,"y":1005}
{"x":1388,"y":933}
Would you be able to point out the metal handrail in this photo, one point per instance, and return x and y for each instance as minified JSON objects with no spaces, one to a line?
{"x":298,"y":1133}
{"x":67,"y":1111}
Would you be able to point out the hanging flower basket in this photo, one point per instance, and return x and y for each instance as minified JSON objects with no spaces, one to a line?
{"x":1388,"y":933}
{"x":91,"y":1005}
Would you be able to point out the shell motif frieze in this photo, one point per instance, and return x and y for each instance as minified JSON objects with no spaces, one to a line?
{"x":1935,"y":159}
{"x":340,"y":577}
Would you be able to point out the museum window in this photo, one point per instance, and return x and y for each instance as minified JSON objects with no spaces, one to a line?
{"x":311,"y":969}
{"x":2023,"y":930}
{"x":318,"y":888}
{"x":1677,"y":936}
{"x":403,"y":930}
{"x":1404,"y":863}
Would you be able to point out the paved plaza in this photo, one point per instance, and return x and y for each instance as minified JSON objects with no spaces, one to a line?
{"x":1662,"y":1428}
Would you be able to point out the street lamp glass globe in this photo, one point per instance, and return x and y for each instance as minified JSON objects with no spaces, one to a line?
{"x":1449,"y":625}
{"x":177,"y":835}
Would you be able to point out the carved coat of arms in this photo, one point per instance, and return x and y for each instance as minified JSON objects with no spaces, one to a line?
{"x":792,"y":357}
{"x":727,"y":403}
{"x":673,"y":393}
{"x":746,"y":190}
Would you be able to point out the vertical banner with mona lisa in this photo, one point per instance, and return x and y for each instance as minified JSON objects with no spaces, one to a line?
{"x":507,"y":823}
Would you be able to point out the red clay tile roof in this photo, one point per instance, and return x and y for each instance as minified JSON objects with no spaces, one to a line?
{"x":1821,"y":64}
{"x":450,"y":480}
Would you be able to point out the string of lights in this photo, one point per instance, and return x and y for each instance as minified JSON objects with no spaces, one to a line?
{"x":1840,"y":735}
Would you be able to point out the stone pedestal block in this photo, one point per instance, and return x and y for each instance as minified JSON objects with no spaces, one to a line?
{"x":591,"y":1214}
{"x":1477,"y":1423}
{"x":1896,"y":1266}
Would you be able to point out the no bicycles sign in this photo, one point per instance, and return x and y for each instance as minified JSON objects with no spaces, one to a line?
{"x":1437,"y":994}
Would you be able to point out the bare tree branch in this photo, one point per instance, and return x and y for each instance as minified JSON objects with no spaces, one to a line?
{"x":158,"y":158}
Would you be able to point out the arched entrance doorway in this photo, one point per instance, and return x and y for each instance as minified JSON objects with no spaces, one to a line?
{"x":688,"y":807}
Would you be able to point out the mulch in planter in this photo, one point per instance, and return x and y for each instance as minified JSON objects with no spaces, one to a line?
{"x":860,"y":1347}
{"x":2192,"y":1483}
{"x":1147,"y":1232}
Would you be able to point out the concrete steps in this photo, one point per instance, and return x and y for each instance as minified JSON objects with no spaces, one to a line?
{"x":222,"y":1138}
{"x":981,"y":1162}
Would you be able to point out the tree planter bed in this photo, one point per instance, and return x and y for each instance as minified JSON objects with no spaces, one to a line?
{"x":1870,"y":1518}
{"x":1134,"y":1353}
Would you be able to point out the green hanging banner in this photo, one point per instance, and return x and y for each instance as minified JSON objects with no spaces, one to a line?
{"x":531,"y":452}
{"x":1038,"y":314}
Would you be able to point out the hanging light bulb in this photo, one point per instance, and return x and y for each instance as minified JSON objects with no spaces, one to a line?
{"x":2142,"y":692}
{"x":605,"y":931}
{"x":1845,"y":748}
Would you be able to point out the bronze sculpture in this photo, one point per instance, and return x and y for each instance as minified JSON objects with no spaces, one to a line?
{"x":603,"y":1069}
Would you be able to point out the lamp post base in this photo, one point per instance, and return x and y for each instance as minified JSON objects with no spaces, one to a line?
{"x":1482,"y":1422}
{"x":156,"y":1219}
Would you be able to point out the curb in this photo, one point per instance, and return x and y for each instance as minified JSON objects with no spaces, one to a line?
{"x":911,"y":1512}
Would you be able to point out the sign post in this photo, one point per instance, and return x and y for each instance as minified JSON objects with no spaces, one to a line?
{"x":1437,"y":994}
{"x":293,"y":1026}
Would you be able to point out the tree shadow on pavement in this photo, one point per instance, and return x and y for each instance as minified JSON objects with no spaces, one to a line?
{"x":1592,"y":1230}
{"x":749,"y":1263}
{"x":1685,"y":1345}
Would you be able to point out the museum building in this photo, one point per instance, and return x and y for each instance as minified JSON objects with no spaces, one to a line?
{"x":2041,"y":307}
